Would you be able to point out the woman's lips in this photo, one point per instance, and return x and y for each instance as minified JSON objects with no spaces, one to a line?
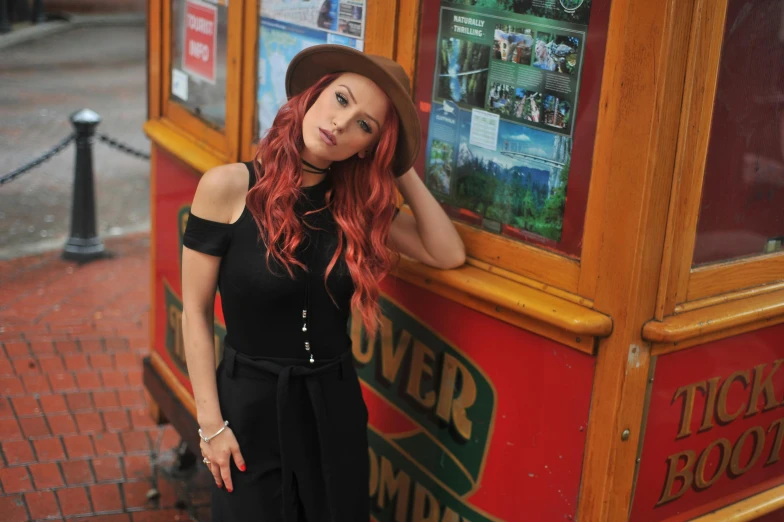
{"x":328,"y":137}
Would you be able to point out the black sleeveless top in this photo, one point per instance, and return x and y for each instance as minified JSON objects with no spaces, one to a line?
{"x":263,"y":309}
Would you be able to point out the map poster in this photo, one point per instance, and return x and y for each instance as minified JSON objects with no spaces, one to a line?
{"x":337,"y":16}
{"x":505,"y":90}
{"x":279,"y":42}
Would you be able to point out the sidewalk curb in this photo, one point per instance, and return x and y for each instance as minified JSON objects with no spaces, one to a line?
{"x":71,"y":21}
{"x":49,"y":245}
{"x":33,"y":32}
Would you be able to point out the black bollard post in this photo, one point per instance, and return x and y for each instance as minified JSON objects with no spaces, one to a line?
{"x":5,"y":24}
{"x":39,"y":14}
{"x":84,"y":244}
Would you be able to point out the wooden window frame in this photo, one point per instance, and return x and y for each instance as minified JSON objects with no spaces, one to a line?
{"x":541,"y":267}
{"x":684,"y":286}
{"x":223,"y":144}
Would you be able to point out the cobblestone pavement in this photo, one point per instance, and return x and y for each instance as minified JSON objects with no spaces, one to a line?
{"x":76,"y":439}
{"x":42,"y":83}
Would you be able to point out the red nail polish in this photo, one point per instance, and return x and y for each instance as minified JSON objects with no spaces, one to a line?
{"x":242,"y":468}
{"x":229,"y":490}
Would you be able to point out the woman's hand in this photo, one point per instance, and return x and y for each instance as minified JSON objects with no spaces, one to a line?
{"x":219,"y":452}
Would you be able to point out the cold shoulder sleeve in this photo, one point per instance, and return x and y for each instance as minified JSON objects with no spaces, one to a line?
{"x":208,"y":237}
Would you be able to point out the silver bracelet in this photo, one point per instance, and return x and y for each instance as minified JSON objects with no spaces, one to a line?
{"x":208,"y":439}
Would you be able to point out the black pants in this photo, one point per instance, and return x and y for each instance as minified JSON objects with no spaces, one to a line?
{"x":302,"y":430}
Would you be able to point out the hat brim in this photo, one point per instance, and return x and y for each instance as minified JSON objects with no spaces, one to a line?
{"x":313,"y":63}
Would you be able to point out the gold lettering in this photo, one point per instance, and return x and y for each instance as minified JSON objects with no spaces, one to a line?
{"x":450,"y":516}
{"x":420,"y":366}
{"x":426,"y":508}
{"x":765,"y":388}
{"x":451,"y":408}
{"x":699,"y":474}
{"x":391,"y":357}
{"x":721,"y":411}
{"x":688,"y":406}
{"x":360,"y":355}
{"x":710,"y":404}
{"x":391,"y":485}
{"x":373,"y":472}
{"x":776,"y":450}
{"x":685,"y":474}
{"x":175,"y":322}
{"x":759,"y":442}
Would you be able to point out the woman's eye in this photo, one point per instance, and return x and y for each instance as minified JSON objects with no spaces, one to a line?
{"x":341,"y":99}
{"x":365,"y":126}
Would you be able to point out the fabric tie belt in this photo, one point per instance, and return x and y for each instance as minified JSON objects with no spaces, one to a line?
{"x":291,"y":372}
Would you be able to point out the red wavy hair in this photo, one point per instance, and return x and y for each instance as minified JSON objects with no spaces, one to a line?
{"x":362,"y":199}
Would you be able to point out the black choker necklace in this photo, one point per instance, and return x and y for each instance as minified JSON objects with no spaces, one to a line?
{"x":315,"y":168}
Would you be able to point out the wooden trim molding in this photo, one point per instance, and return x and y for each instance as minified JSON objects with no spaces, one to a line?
{"x":172,"y":139}
{"x":250,"y":77}
{"x":704,"y":53}
{"x":635,"y":149}
{"x":748,"y":509}
{"x":757,"y":310}
{"x":381,"y":27}
{"x":728,"y":297}
{"x":720,"y":279}
{"x":153,"y":236}
{"x":520,"y":258}
{"x":551,"y":316}
{"x":533,"y":283}
{"x":407,"y":50}
{"x":154,"y":84}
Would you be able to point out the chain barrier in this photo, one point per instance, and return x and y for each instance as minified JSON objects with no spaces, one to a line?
{"x":38,"y":161}
{"x":111,"y":142}
{"x":122,"y":147}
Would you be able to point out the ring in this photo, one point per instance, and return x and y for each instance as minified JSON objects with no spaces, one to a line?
{"x":206,"y":461}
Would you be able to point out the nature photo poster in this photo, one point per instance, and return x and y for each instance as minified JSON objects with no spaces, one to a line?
{"x":505,"y":90}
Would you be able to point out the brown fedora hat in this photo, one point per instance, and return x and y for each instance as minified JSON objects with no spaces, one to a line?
{"x":315,"y":62}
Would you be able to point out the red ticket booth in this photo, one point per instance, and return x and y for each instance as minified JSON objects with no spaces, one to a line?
{"x":611,"y":349}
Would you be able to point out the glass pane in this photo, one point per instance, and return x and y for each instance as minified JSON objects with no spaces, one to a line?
{"x":288,"y":26}
{"x":742,"y":207}
{"x":508,"y":96}
{"x":198,"y":75}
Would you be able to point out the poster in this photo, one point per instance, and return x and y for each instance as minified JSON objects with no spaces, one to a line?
{"x":280,"y":39}
{"x":505,"y":90}
{"x":338,"y":16}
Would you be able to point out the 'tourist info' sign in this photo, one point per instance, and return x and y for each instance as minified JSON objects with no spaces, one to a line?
{"x":201,"y":40}
{"x":715,"y":426}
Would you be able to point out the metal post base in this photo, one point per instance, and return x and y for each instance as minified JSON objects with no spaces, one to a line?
{"x":78,"y":249}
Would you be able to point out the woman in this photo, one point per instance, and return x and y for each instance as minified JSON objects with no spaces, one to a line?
{"x":295,"y":240}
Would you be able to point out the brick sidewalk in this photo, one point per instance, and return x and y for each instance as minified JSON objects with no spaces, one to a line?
{"x":75,"y":436}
